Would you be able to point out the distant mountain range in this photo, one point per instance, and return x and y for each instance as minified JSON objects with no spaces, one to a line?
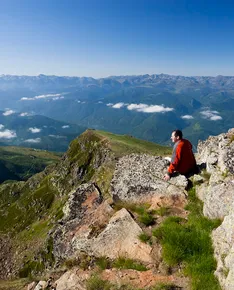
{"x":146,"y":106}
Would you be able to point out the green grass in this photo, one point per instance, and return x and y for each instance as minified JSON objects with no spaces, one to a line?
{"x":103,"y":263}
{"x":14,"y":284}
{"x":20,"y":163}
{"x":144,"y":238}
{"x":189,"y":242}
{"x":163,"y":211}
{"x":96,"y":283}
{"x":124,"y":263}
{"x":125,"y":144}
{"x":144,"y":216}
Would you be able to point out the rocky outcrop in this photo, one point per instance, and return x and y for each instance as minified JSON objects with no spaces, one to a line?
{"x":139,"y":179}
{"x":86,"y":227}
{"x":216,"y":189}
{"x":223,"y":240}
{"x":218,"y":155}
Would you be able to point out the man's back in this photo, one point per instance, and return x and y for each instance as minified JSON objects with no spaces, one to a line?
{"x":183,"y":160}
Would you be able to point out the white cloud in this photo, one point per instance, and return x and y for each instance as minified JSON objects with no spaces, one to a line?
{"x":118,"y":105}
{"x":24,"y":114}
{"x":57,"y":136}
{"x":188,"y":117}
{"x":7,"y":134}
{"x":57,"y":98}
{"x":36,"y":140}
{"x":8,"y":112}
{"x":211,"y":115}
{"x":1,"y":126}
{"x":34,"y":130}
{"x":215,"y":118}
{"x":40,"y":97}
{"x":149,"y":108}
{"x":100,"y":102}
{"x":141,"y":107}
{"x":65,"y":126}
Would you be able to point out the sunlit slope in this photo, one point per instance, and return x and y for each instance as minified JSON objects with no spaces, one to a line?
{"x":126,"y":144}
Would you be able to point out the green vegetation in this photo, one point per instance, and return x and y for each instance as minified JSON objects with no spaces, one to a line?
{"x":189,"y":242}
{"x":19,"y":284}
{"x":144,"y":238}
{"x":103,"y":263}
{"x":20,"y":163}
{"x":125,"y":144}
{"x":163,"y":286}
{"x":124,"y":263}
{"x":144,"y":216}
{"x":163,"y":211}
{"x":96,"y":283}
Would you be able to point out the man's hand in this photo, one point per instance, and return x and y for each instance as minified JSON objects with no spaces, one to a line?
{"x":166,"y":177}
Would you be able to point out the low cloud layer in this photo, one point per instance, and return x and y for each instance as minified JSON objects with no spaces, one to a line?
{"x":65,"y":126}
{"x":24,"y":114}
{"x":1,"y":126}
{"x":188,"y":117}
{"x":8,"y":112}
{"x":141,"y":107}
{"x":34,"y":130}
{"x":36,"y":140}
{"x":57,"y":98}
{"x":7,"y":134}
{"x":118,"y":105}
{"x":211,"y":115}
{"x":41,"y":97}
{"x":58,"y":136}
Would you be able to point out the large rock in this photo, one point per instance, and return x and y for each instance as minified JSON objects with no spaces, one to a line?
{"x":217,"y":194}
{"x":139,"y":178}
{"x":217,"y":152}
{"x":85,"y":215}
{"x":119,"y":239}
{"x":87,"y":227}
{"x":223,"y":241}
{"x":219,"y":200}
{"x":72,"y":280}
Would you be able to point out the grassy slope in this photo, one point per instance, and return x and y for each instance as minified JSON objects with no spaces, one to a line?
{"x":21,"y":163}
{"x":125,"y":144}
{"x":28,"y":213}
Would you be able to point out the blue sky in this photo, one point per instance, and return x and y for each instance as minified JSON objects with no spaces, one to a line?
{"x":109,"y":37}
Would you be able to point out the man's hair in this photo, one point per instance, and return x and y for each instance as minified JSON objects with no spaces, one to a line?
{"x":178,"y":133}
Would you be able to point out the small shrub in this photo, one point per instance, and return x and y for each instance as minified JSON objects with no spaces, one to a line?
{"x":147,"y":219}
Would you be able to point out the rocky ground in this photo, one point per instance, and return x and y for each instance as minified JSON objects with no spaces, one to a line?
{"x":97,"y":231}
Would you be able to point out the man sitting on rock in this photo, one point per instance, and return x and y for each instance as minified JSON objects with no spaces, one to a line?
{"x":182,"y":160}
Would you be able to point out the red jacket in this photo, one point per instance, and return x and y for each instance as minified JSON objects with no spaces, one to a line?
{"x":183,"y":160}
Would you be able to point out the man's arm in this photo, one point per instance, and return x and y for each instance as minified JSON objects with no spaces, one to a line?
{"x":176,"y":160}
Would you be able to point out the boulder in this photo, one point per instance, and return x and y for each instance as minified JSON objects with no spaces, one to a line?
{"x":219,"y":200}
{"x":85,"y":215}
{"x":139,"y":178}
{"x":121,"y":239}
{"x":72,"y":280}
